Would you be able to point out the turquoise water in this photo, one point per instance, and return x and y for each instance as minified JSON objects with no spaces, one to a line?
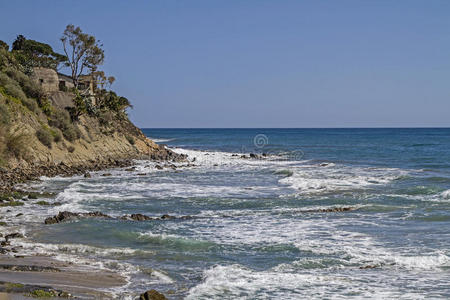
{"x":257,"y":231}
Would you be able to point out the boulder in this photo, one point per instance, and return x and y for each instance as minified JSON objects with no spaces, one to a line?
{"x":152,"y":295}
{"x":139,"y":217}
{"x":15,"y":235}
{"x":67,"y":215}
{"x":167,"y":217}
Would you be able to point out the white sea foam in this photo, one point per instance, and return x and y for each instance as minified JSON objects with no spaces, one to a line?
{"x":306,"y":177}
{"x":161,"y":140}
{"x":446,"y":194}
{"x":310,"y":179}
{"x":238,"y":282}
{"x":248,"y":228}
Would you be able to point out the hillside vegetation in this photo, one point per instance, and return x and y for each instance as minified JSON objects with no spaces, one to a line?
{"x":34,"y":129}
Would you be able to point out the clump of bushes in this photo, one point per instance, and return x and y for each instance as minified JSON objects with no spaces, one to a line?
{"x":30,"y":87}
{"x":5,"y":116}
{"x":16,"y":144}
{"x":45,"y":137}
{"x":13,"y":89}
{"x":106,"y":118}
{"x":56,"y":134}
{"x":130,"y":139}
{"x":61,"y":120}
{"x":71,"y":149}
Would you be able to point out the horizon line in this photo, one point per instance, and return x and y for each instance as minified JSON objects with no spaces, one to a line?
{"x":419,"y":127}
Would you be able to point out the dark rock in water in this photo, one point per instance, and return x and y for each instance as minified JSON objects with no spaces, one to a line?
{"x":107,"y":174}
{"x":139,"y":217}
{"x":61,"y":217}
{"x":3,"y":250}
{"x":141,"y":174}
{"x":332,"y":209}
{"x":243,"y":156}
{"x":158,"y":167}
{"x":19,"y":214}
{"x":87,"y":175}
{"x":253,"y":155}
{"x":167,"y":217}
{"x":15,"y":235}
{"x":324,"y":164}
{"x":130,"y":169}
{"x":152,"y":295}
{"x":368,"y":267}
{"x":67,"y":215}
{"x":32,"y":196}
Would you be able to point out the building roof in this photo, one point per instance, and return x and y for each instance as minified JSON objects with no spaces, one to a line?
{"x":64,"y":77}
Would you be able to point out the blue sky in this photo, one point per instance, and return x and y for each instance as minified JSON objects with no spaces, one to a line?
{"x":262,"y":63}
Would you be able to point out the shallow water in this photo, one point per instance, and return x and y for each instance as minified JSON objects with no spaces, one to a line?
{"x":256,"y":233}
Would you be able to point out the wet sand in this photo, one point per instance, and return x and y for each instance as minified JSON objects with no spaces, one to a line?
{"x":45,"y":271}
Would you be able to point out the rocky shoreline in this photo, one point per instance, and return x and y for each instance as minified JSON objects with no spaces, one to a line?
{"x":18,"y":273}
{"x":11,"y":177}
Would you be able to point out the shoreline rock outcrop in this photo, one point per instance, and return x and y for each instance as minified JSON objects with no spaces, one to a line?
{"x":65,"y":216}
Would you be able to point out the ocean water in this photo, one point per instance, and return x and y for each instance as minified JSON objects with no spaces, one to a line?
{"x":258,"y":229}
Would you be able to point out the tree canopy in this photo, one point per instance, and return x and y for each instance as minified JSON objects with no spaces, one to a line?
{"x":31,"y":53}
{"x":83,"y":52}
{"x":4,"y":45}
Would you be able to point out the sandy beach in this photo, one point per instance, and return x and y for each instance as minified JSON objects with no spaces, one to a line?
{"x":52,"y":274}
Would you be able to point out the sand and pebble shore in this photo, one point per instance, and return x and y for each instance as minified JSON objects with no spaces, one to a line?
{"x":25,"y":276}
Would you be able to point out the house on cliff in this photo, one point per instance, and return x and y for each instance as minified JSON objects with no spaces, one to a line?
{"x":56,"y":85}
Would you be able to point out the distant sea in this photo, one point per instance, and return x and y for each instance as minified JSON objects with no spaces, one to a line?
{"x":266,"y":227}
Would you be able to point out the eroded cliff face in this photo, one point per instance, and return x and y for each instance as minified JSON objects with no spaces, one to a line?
{"x":99,"y":146}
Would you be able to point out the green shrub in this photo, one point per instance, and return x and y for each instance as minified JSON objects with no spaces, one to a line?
{"x":61,"y":119}
{"x":106,"y":118}
{"x":71,"y":133}
{"x":17,"y":144}
{"x":4,"y":79}
{"x":56,"y":134}
{"x":130,"y":139}
{"x":45,"y":137}
{"x":5,"y":116}
{"x":4,"y":45}
{"x":46,"y":106}
{"x":29,"y":86}
{"x":13,"y":89}
{"x":30,"y":104}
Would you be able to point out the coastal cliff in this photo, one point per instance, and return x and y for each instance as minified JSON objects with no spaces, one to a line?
{"x":49,"y":126}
